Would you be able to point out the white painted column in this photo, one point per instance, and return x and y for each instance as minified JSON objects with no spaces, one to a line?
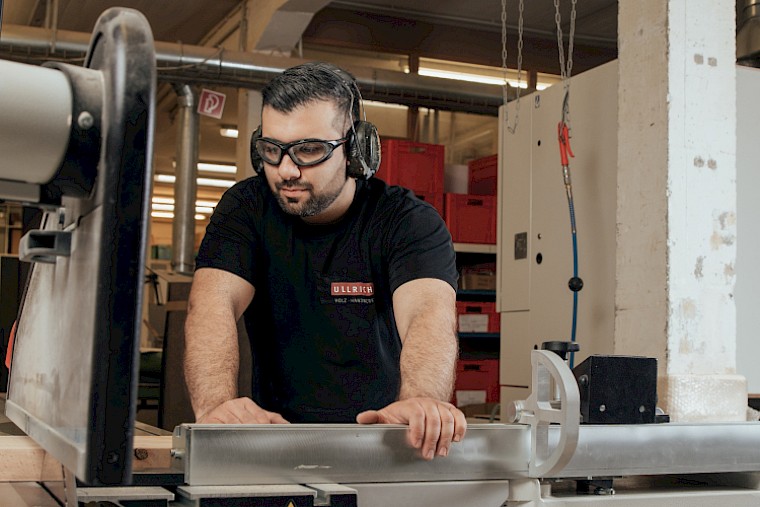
{"x":249,"y":118}
{"x":249,"y":101}
{"x":677,"y":202}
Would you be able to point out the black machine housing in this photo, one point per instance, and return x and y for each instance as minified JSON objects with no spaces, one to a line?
{"x":617,"y":389}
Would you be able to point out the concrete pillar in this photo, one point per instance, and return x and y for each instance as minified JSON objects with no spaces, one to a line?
{"x":249,"y":101}
{"x":676,"y":212}
{"x":249,"y":118}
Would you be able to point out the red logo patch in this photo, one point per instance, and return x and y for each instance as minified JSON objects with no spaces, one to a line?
{"x":352,"y":289}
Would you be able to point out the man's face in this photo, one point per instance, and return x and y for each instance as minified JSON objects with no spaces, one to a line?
{"x":318,"y":193}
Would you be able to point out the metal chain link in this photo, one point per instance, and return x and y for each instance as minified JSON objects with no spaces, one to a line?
{"x":504,"y":47}
{"x":505,"y":89}
{"x":565,"y":69}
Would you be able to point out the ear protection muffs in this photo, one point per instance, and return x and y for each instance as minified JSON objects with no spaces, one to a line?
{"x":256,"y":162}
{"x":363,"y":150}
{"x":363,"y":146}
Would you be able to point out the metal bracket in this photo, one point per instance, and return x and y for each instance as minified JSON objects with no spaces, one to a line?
{"x":550,"y":374}
{"x":44,"y":246}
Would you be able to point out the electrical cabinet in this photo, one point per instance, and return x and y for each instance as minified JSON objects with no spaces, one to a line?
{"x":535,"y":244}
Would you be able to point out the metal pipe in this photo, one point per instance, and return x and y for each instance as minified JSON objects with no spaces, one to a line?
{"x":54,"y":23}
{"x":747,"y":32}
{"x":185,"y":185}
{"x":180,"y":63}
{"x":746,"y":10}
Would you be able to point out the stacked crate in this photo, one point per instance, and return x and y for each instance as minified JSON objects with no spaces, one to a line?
{"x":477,"y":317}
{"x":477,"y":382}
{"x":416,"y":166}
{"x":471,"y":217}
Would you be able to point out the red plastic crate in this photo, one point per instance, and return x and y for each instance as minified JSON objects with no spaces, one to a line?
{"x":482,"y":175}
{"x":416,"y":166}
{"x":477,"y":317}
{"x":435,"y":199}
{"x":478,"y":375}
{"x":471,"y":218}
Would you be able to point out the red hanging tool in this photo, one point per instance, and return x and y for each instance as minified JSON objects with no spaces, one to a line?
{"x":563,"y":132}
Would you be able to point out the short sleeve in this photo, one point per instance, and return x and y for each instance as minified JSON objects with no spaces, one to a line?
{"x":231,"y":241}
{"x":420,"y":246}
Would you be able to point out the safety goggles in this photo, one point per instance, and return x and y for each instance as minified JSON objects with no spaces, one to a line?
{"x":303,"y":153}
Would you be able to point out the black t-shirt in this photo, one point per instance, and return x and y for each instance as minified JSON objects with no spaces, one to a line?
{"x":321,"y":326}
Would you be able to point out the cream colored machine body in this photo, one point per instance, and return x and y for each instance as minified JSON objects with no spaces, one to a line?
{"x":535,"y":245}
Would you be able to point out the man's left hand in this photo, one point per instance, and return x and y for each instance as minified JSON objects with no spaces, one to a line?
{"x":433,"y":424}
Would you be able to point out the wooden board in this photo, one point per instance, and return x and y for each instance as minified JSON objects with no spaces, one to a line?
{"x":23,"y":460}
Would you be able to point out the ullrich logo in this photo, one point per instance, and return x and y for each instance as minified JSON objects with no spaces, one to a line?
{"x":342,"y":289}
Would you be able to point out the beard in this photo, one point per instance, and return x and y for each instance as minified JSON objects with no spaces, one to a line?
{"x":314,"y":203}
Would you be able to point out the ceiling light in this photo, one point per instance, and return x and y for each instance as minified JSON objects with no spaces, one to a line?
{"x":229,"y":132}
{"x":162,"y":207}
{"x":374,"y":103}
{"x":169,"y":214}
{"x":217,"y":168}
{"x":170,"y":200}
{"x":476,"y":78}
{"x":212,"y":182}
{"x":203,"y":182}
{"x":482,"y":73}
{"x":164,"y":178}
{"x":213,"y":168}
{"x":461,"y":76}
{"x":170,"y":207}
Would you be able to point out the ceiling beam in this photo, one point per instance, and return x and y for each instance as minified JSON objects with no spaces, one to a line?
{"x":387,"y":34}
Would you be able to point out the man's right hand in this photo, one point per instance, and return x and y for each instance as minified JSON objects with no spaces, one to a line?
{"x":241,"y":411}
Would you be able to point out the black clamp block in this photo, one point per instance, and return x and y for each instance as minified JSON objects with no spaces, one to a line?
{"x":561,"y":348}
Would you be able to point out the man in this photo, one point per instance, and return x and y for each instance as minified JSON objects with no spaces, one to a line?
{"x":346,"y":285}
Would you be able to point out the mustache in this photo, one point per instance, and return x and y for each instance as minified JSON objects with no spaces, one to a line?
{"x":293,"y":185}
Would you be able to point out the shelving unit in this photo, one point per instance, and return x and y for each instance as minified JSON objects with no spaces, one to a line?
{"x":475,"y":248}
{"x":479,"y":336}
{"x":475,"y":294}
{"x":10,"y":227}
{"x":477,"y":368}
{"x":481,"y":345}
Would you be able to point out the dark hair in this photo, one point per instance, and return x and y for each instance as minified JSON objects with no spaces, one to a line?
{"x":312,"y":81}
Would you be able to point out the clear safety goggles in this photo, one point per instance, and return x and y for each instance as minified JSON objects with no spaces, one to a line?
{"x":303,"y":153}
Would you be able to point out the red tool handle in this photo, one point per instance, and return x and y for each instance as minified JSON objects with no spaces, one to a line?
{"x":9,"y":352}
{"x":564,"y":143}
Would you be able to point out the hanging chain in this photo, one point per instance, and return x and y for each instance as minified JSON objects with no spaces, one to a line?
{"x":505,"y":88}
{"x":565,"y":70}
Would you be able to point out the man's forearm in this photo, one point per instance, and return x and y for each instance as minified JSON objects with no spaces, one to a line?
{"x":211,"y":359}
{"x":428,"y":359}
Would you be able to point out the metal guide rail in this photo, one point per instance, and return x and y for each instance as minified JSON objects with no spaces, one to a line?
{"x":341,"y":453}
{"x":298,"y":454}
